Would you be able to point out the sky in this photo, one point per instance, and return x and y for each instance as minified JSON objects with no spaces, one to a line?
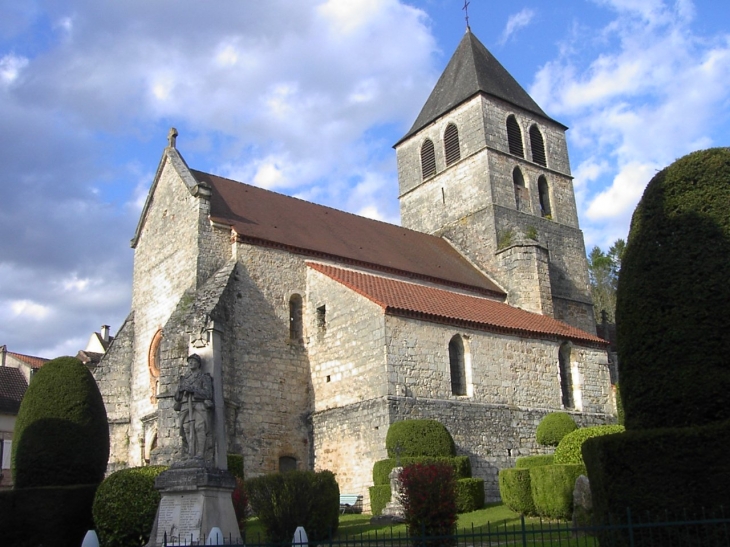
{"x":306,"y":98}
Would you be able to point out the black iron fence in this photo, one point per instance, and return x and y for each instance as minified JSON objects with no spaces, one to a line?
{"x":628,"y":531}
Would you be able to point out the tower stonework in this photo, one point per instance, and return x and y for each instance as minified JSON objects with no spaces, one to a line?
{"x":501,"y":192}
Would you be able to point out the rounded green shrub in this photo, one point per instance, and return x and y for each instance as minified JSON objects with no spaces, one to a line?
{"x":514,"y":489}
{"x":553,"y":427}
{"x":61,"y":433}
{"x":526,"y":462}
{"x":552,"y":489}
{"x":414,"y":438}
{"x":125,"y":506}
{"x":283,"y":501}
{"x":569,"y":449}
{"x":673,"y":297}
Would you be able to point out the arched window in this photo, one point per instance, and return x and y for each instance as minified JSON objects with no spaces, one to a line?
{"x":287,"y":463}
{"x":295,"y":318}
{"x":153,"y":364}
{"x":451,"y":144}
{"x":514,"y":137}
{"x":428,"y":159}
{"x":458,"y":366}
{"x":544,"y":191}
{"x":522,"y":198}
{"x":537,"y":145}
{"x":566,"y":379}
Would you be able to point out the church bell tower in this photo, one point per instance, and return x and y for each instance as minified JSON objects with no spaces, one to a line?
{"x":484,"y":167}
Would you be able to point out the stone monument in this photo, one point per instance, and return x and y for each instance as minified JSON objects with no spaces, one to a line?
{"x":393,"y":513}
{"x":196,"y":490}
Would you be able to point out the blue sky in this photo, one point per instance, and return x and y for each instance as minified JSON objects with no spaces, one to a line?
{"x":306,"y":97}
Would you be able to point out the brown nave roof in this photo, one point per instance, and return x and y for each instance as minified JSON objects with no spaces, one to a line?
{"x":266,"y":218}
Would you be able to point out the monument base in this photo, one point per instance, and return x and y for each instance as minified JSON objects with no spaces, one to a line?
{"x":194,"y":500}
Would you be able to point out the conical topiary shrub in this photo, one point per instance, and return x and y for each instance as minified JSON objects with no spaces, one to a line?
{"x":61,"y":433}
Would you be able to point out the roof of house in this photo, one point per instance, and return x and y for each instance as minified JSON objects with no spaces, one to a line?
{"x":399,"y":297}
{"x":33,"y":362}
{"x":263,"y":217}
{"x":471,"y":70}
{"x":12,"y":389}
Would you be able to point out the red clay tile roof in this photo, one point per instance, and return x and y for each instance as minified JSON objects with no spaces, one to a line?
{"x":434,"y":304}
{"x":263,"y":217}
{"x":33,"y":362}
{"x":12,"y":389}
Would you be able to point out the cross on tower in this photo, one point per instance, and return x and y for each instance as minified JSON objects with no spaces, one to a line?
{"x":466,"y":13}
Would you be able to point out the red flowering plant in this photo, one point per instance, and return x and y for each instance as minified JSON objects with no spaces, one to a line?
{"x":240,"y":504}
{"x":428,"y":495}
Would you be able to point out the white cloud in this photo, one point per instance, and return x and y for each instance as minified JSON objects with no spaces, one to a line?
{"x":10,"y":67}
{"x":29,"y":309}
{"x":516,"y":22}
{"x":624,"y":192}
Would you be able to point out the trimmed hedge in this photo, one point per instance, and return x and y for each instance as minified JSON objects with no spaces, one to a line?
{"x":552,"y":489}
{"x":235,"y":465}
{"x":125,"y":506}
{"x":414,"y":438}
{"x":553,"y":427}
{"x":527,"y":462}
{"x":379,"y":498}
{"x":569,"y":449}
{"x":514,"y":488}
{"x":429,"y":500}
{"x":382,"y":468}
{"x":658,"y":470}
{"x":673,"y":297}
{"x":283,"y":501}
{"x":61,"y":433}
{"x":469,"y":495}
{"x":52,"y":516}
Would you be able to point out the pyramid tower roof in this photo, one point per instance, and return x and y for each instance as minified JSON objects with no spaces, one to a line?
{"x":471,"y":70}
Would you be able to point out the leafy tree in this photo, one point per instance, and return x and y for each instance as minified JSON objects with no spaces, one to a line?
{"x":603,"y":270}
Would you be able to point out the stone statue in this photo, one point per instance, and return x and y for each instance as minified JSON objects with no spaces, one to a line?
{"x":194,"y":403}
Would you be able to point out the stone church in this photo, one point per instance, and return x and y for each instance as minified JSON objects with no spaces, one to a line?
{"x":321,"y":328}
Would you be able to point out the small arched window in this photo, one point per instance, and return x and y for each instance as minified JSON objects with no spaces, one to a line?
{"x":537,"y":145}
{"x":428,"y":159}
{"x":514,"y":137}
{"x":566,"y":379}
{"x":457,"y":365}
{"x":544,"y":191}
{"x":451,"y":144}
{"x":295,"y":318}
{"x":287,"y":463}
{"x":522,"y":198}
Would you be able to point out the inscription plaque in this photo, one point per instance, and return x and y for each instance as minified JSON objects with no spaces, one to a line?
{"x":180,"y":517}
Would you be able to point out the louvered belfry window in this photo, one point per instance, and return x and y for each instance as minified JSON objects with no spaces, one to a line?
{"x":451,"y":144}
{"x":522,"y":198}
{"x":428,"y":159}
{"x":514,"y":137}
{"x":537,"y":145}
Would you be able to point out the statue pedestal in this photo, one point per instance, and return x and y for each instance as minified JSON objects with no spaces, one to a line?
{"x":194,"y":500}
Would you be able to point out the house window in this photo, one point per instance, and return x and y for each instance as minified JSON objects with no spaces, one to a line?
{"x":514,"y":137}
{"x":544,"y":191}
{"x":537,"y":145}
{"x":522,"y":198}
{"x":566,"y":379}
{"x":295,"y":318}
{"x":457,"y":365}
{"x":428,"y":159}
{"x":287,"y":463}
{"x":451,"y":144}
{"x":322,"y":318}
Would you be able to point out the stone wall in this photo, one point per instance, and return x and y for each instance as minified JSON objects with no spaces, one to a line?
{"x":112,"y":375}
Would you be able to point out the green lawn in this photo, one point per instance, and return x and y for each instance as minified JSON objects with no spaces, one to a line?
{"x":495,"y":517}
